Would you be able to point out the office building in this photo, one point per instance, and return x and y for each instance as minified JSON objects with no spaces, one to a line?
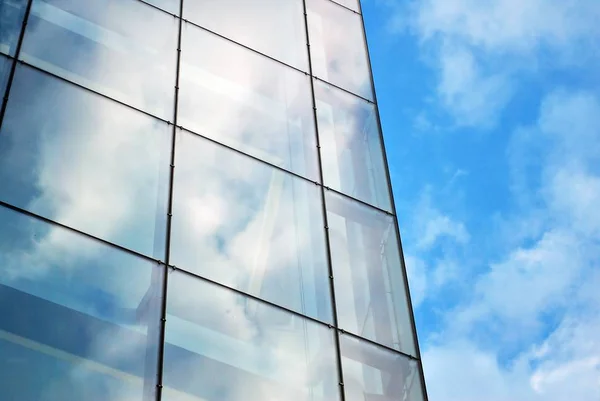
{"x":195,"y":205}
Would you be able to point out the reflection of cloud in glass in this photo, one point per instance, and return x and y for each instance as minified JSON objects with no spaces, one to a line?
{"x":225,"y":347}
{"x":84,"y":161}
{"x":247,"y":101}
{"x":249,"y":226}
{"x":124,"y":49}
{"x":85,"y":318}
{"x":337,"y":47}
{"x":273,"y":27}
{"x":374,"y":373}
{"x":369,"y":280}
{"x":351,"y":150}
{"x":351,"y":4}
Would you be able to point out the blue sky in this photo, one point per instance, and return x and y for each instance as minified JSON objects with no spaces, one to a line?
{"x":491,"y":115}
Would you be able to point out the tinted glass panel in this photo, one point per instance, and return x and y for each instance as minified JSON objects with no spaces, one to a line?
{"x":337,"y":45}
{"x":171,"y":6}
{"x":249,"y":226}
{"x":247,"y":101}
{"x":351,"y":4}
{"x":369,"y":279}
{"x":5,"y":64}
{"x":221,"y":346}
{"x":11,"y":19}
{"x":372,"y":373}
{"x":79,"y":318}
{"x":125,"y":49}
{"x":273,"y":27}
{"x":85,"y":161}
{"x":351,"y":146}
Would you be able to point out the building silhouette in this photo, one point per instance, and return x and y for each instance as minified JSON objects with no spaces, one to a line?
{"x":195,"y":205}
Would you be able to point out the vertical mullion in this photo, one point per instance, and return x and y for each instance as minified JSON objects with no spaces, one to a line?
{"x":393,"y":204}
{"x":13,"y":67}
{"x":163,"y":311}
{"x":324,"y":211}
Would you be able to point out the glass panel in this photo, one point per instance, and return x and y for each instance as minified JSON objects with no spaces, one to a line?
{"x":369,"y":279}
{"x":337,"y":46}
{"x":222,"y":346}
{"x":85,"y":161}
{"x":351,"y":146}
{"x":5,"y":64}
{"x":273,"y":27}
{"x":372,"y":373}
{"x":249,"y":226}
{"x":171,"y":6}
{"x":351,"y":4}
{"x":79,"y":318}
{"x":11,"y":20}
{"x":124,"y":49}
{"x":247,"y":101}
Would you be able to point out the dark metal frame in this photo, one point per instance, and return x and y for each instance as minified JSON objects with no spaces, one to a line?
{"x":175,"y":127}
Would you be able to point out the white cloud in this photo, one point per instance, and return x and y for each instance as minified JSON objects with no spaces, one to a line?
{"x":480,"y":49}
{"x":553,"y":277}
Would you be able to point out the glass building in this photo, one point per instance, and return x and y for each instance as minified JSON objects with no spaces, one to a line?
{"x":195,"y":205}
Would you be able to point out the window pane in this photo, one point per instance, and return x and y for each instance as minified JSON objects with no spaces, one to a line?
{"x":337,"y":46}
{"x":273,"y":27}
{"x":85,"y":161}
{"x":11,"y":20}
{"x":369,"y":279}
{"x":171,"y":6}
{"x":249,"y":226}
{"x":372,"y":373}
{"x":351,"y":4}
{"x":247,"y":101}
{"x":5,"y":64}
{"x":79,"y":318}
{"x":124,"y":49}
{"x":351,"y":146}
{"x":221,"y":346}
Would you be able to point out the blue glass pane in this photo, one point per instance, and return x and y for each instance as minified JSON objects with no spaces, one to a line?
{"x":249,"y":226}
{"x":79,"y":319}
{"x":171,"y":6}
{"x":337,"y":46}
{"x":11,"y":20}
{"x":368,"y":273}
{"x":378,"y":374}
{"x":351,"y":149}
{"x":273,"y":27}
{"x":248,"y":102}
{"x":5,"y":64}
{"x":84,"y":161}
{"x":221,"y":346}
{"x":124,"y":49}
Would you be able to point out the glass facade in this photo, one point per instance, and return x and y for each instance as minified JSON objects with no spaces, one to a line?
{"x":195,"y":205}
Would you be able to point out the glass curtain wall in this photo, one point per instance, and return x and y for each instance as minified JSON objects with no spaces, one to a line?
{"x":195,"y":205}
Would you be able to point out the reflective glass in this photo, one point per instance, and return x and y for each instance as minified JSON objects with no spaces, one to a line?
{"x":85,"y":161}
{"x":273,"y":27}
{"x":11,"y":20}
{"x":351,"y":4}
{"x":337,"y":46}
{"x":368,"y":274}
{"x":351,"y":150}
{"x":124,"y":49}
{"x":5,"y":64}
{"x":249,"y":226}
{"x":171,"y":6}
{"x":222,"y":346}
{"x":247,"y":101}
{"x":79,"y":318}
{"x":373,"y":373}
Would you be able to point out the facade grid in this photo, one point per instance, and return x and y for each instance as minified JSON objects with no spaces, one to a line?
{"x":195,"y":204}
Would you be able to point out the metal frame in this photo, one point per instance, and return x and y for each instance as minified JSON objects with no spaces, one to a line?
{"x":175,"y":127}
